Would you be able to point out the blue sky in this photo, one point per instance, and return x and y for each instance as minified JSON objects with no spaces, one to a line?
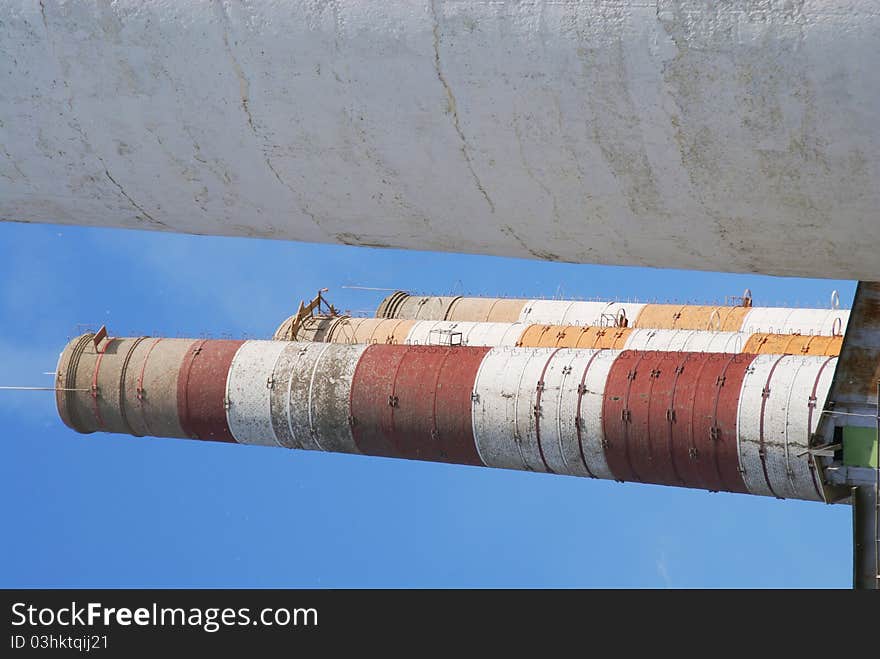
{"x":112,"y":510}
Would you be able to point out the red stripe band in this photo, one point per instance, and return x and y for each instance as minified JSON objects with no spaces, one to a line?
{"x":201,"y":390}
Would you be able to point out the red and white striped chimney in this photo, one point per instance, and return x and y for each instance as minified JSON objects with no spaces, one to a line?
{"x":728,"y":422}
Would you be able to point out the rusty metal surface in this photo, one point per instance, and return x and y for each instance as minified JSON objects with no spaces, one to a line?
{"x":670,"y":418}
{"x":718,"y":421}
{"x":201,"y":389}
{"x":858,"y":369}
{"x":65,"y":379}
{"x":414,"y":402}
{"x":453,"y":405}
{"x":128,"y":385}
{"x":153,"y":406}
{"x":692,"y":413}
{"x":725,"y":410}
{"x":713,"y":421}
{"x":311,"y":322}
{"x":84,"y":402}
{"x":653,"y":422}
{"x":866,"y":562}
{"x":312,"y":328}
{"x":109,"y":384}
{"x":372,"y":398}
{"x":852,"y":398}
{"x":616,"y":419}
{"x":413,"y":429}
{"x":637,"y":382}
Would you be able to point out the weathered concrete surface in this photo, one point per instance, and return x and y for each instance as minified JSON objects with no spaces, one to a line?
{"x":737,"y":136}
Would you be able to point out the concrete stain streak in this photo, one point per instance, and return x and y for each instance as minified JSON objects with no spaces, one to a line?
{"x":144,"y":215}
{"x":695,"y":144}
{"x":43,"y":16}
{"x":452,"y":109}
{"x":243,"y":84}
{"x":538,"y":254}
{"x":531,"y":174}
{"x":186,"y":171}
{"x":49,"y":41}
{"x":581,"y":174}
{"x":385,"y":174}
{"x":621,"y":141}
{"x":244,"y":95}
{"x":140,"y":208}
{"x":671,"y":133}
{"x":14,"y":165}
{"x":219,"y":168}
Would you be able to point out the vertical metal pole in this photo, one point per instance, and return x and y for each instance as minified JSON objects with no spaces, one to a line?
{"x":877,"y":500}
{"x":864,"y":505}
{"x":866,"y":526}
